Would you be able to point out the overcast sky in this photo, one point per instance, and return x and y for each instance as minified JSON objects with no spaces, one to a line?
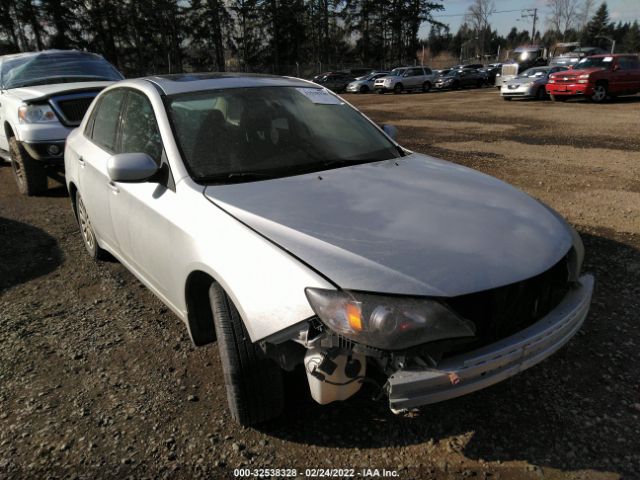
{"x":619,"y":10}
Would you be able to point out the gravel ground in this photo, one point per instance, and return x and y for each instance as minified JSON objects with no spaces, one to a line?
{"x":99,"y":380}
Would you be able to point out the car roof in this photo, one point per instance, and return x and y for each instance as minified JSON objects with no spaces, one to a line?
{"x":615,"y":55}
{"x":194,"y":82}
{"x":45,"y":52}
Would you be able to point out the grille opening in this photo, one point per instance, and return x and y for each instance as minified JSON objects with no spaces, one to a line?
{"x":71,"y":108}
{"x":504,"y":311}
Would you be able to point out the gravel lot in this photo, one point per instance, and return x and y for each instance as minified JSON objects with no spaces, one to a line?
{"x":99,"y":380}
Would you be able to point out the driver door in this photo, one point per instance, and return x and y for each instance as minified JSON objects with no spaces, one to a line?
{"x":141,"y":211}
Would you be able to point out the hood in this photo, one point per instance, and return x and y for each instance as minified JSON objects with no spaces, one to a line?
{"x":576,"y":71}
{"x":38,"y":91}
{"x":415,"y":226}
{"x":523,"y":80}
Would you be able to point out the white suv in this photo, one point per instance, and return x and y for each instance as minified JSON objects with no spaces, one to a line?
{"x":43,"y":96}
{"x":406,"y":78}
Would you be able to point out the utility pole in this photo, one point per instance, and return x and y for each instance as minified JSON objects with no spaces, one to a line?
{"x":531,"y":12}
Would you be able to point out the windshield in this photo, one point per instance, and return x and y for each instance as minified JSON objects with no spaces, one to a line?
{"x":590,"y":62}
{"x":452,"y":73}
{"x":534,"y":72}
{"x":244,"y":134}
{"x":58,"y":67}
{"x":397,"y":72}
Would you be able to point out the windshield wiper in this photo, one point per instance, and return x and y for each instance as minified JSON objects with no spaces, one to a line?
{"x":223,"y":177}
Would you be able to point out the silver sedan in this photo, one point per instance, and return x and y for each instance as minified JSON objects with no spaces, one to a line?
{"x":275,"y":218}
{"x":529,"y":84}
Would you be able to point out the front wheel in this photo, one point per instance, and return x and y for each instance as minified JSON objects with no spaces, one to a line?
{"x":558,"y":98}
{"x":507,"y":99}
{"x":540,"y":94}
{"x":426,"y":86}
{"x":455,"y":86}
{"x":29,"y":173}
{"x":255,"y":391}
{"x":364,"y":89}
{"x":599,"y":93}
{"x":397,"y":89}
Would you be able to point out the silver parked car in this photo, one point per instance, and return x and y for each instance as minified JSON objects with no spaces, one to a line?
{"x":529,"y":84}
{"x":404,"y":79}
{"x":271,"y":215}
{"x":365,"y":84}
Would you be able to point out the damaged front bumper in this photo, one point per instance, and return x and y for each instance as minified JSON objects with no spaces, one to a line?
{"x":481,"y":368}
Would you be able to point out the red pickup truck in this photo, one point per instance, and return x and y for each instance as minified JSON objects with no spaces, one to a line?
{"x":597,"y":78}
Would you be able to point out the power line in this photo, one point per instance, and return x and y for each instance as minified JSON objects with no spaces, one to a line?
{"x":489,"y":13}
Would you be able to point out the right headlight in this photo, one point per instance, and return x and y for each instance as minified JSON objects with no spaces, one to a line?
{"x":387,"y":322}
{"x":36,"y":114}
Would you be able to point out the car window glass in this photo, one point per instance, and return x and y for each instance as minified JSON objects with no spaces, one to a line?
{"x":627,"y":63}
{"x":280,"y":130}
{"x":427,"y":71}
{"x":88,"y":129}
{"x":106,"y":122}
{"x":139,"y":130}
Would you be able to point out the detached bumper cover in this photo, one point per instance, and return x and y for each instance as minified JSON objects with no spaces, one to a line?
{"x":493,"y":363}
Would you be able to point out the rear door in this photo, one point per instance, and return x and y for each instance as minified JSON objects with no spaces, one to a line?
{"x":629,"y":74}
{"x":93,"y":179}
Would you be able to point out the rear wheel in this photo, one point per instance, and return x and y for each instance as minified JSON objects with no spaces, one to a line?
{"x":86,"y":229}
{"x":600,"y":93}
{"x":29,"y":173}
{"x":540,"y":94}
{"x":397,"y":89}
{"x":255,"y":390}
{"x":426,"y":86}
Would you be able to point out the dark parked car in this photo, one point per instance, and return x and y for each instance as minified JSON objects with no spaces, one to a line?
{"x":467,"y":66}
{"x":490,"y":72}
{"x":456,"y":79}
{"x":336,"y":81}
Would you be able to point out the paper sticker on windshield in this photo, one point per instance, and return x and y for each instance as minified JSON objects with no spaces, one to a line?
{"x":607,"y":59}
{"x":320,"y":96}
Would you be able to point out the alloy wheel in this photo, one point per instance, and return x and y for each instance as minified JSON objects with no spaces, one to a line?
{"x":599,"y":93}
{"x":85,"y":225}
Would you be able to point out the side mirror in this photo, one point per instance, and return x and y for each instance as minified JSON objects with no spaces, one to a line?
{"x":131,"y":167}
{"x":616,"y":67}
{"x":390,"y":130}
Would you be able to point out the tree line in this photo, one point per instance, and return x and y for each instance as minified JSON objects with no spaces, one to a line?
{"x":160,"y":36}
{"x":294,"y":37}
{"x":566,"y":20}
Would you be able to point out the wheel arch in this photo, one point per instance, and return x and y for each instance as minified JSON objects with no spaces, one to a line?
{"x":8,"y":130}
{"x":72,"y":194}
{"x":199,"y":315}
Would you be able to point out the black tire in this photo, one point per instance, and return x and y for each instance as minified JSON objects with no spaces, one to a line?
{"x":426,"y":86}
{"x":540,"y":94}
{"x":479,"y":84}
{"x":255,"y":391}
{"x":600,"y":93}
{"x":364,"y":89}
{"x":455,"y":86}
{"x":30,"y":174}
{"x":381,"y":92}
{"x":507,"y":99}
{"x":397,"y":89}
{"x":558,"y":98}
{"x":86,"y":230}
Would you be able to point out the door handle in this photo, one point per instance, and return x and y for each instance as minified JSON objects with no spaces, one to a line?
{"x":81,"y":161}
{"x":114,"y":188}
